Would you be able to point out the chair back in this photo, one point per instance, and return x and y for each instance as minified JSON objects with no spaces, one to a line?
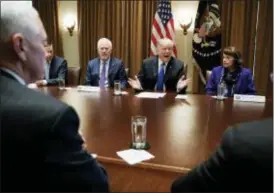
{"x":73,"y":76}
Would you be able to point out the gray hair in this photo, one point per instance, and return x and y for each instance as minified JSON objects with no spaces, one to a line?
{"x":18,"y":18}
{"x":165,"y":42}
{"x":104,"y":40}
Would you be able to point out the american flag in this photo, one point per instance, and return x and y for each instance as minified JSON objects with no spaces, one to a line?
{"x":163,"y":26}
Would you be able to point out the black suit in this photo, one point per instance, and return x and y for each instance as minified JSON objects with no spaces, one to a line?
{"x":41,"y":149}
{"x":149,"y":73}
{"x":242,"y":163}
{"x":58,"y":71}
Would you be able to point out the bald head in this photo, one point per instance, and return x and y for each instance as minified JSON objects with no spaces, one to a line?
{"x":164,"y":49}
{"x":104,"y":47}
{"x":22,"y":40}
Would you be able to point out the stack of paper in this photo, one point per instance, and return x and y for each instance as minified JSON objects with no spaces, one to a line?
{"x":181,"y":96}
{"x":88,"y":88}
{"x":154,"y":95}
{"x":132,"y":156}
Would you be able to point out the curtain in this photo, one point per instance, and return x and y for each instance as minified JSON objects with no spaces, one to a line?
{"x":239,"y":20}
{"x":48,"y":11}
{"x":264,"y":49}
{"x":126,"y":23}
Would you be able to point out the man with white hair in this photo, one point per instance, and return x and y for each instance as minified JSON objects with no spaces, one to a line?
{"x":104,"y":70}
{"x":40,"y":145}
{"x":162,"y":72}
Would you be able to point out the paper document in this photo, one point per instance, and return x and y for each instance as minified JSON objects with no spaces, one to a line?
{"x":181,"y":96}
{"x":132,"y":156}
{"x":124,"y":92}
{"x":64,"y":88}
{"x":88,"y":88}
{"x":153,"y":95}
{"x":216,"y":97}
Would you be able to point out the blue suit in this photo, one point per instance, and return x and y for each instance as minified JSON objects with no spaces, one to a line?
{"x":244,"y":83}
{"x":116,"y":71}
{"x":58,"y":71}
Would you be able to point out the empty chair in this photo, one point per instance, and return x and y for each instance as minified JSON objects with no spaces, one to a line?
{"x":73,"y":76}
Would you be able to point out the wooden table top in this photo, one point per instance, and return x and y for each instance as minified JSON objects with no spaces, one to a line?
{"x":182,"y":133}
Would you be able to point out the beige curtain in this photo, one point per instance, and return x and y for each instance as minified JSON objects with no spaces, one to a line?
{"x":264,"y":49}
{"x":126,"y":23}
{"x":239,"y":26}
{"x":48,"y":10}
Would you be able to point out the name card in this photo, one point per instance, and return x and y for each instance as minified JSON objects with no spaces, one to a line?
{"x":249,"y":98}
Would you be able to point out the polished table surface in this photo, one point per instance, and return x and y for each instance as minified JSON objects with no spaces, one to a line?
{"x":182,"y":133}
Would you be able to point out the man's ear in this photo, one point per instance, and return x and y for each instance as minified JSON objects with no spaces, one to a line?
{"x":18,"y":43}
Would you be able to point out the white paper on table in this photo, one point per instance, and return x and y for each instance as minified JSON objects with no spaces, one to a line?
{"x":153,"y":95}
{"x":65,"y":88}
{"x":181,"y":96}
{"x":94,"y":155}
{"x":132,"y":156}
{"x":88,"y":88}
{"x":124,"y":92}
{"x":216,"y":97}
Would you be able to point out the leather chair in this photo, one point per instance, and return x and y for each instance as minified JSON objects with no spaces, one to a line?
{"x":208,"y":73}
{"x":73,"y":76}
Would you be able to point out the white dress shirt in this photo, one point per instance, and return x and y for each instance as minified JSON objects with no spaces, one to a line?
{"x":47,"y":70}
{"x":14,"y":75}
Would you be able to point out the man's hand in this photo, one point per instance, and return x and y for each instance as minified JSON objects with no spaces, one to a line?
{"x":182,"y":83}
{"x":135,"y":83}
{"x":41,"y":82}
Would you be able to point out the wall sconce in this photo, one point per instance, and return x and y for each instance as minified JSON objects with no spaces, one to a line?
{"x":69,"y":24}
{"x":185,"y":27}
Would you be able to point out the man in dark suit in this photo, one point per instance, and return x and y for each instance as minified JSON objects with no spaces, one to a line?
{"x":162,"y":72}
{"x":41,"y":148}
{"x":104,"y":70}
{"x":242,"y":163}
{"x":56,"y":69}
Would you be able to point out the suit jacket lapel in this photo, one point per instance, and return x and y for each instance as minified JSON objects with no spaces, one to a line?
{"x":110,"y":67}
{"x":155,"y":68}
{"x":238,"y":83}
{"x":51,"y":67}
{"x":168,"y":69}
{"x":97,"y":67}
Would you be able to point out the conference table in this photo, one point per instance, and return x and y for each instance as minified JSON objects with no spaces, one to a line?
{"x":181,"y":132}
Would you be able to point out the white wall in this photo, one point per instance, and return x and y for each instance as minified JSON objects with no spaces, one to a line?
{"x":70,"y":43}
{"x":183,"y":11}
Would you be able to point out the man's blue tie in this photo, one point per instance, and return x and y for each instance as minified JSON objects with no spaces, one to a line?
{"x":103,"y":76}
{"x":160,"y":80}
